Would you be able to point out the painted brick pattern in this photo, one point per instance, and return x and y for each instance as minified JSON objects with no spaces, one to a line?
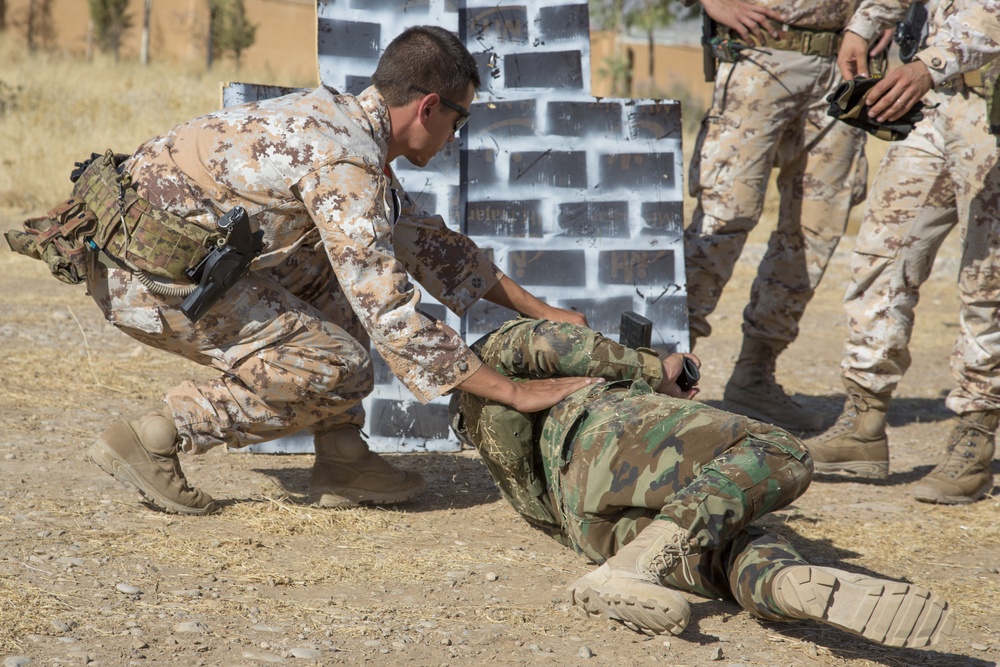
{"x":578,"y":198}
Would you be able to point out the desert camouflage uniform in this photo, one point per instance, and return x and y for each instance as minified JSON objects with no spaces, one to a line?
{"x":292,"y":338}
{"x":944,"y":173}
{"x":769,"y":109}
{"x":602,"y":464}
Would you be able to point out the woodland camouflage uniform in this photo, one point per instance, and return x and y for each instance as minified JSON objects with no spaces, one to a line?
{"x":769,"y":110}
{"x":593,"y":478}
{"x":663,"y":491}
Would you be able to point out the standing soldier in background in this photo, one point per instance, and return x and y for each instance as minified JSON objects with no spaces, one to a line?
{"x":769,"y":110}
{"x":944,"y":173}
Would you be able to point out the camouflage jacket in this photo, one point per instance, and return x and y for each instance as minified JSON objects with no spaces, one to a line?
{"x":829,"y":15}
{"x":519,"y":448}
{"x":963,"y":35}
{"x":310,"y":168}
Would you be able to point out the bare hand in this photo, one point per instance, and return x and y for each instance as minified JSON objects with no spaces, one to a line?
{"x":672,"y":368}
{"x":901,"y":88}
{"x":882,"y":44}
{"x":535,"y":395}
{"x":744,"y":18}
{"x":853,"y":56}
{"x":563,"y":315}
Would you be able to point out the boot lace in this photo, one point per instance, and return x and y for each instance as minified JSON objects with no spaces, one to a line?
{"x":673,"y":554}
{"x":845,"y":423}
{"x":966,"y":440}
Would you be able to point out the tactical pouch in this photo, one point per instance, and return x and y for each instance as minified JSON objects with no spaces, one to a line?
{"x":105,"y":213}
{"x":132,"y":230}
{"x":848,"y":104}
{"x":57,"y":238}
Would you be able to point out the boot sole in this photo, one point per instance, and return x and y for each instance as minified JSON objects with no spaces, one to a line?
{"x":888,"y":612}
{"x":931,"y":495}
{"x":107,"y":460}
{"x":638,"y":613}
{"x":734,"y":405}
{"x":348,"y":497}
{"x":861,"y":469}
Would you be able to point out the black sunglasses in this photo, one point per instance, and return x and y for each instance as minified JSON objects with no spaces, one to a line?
{"x":463,"y":113}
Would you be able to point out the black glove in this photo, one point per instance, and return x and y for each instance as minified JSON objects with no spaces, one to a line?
{"x":847,"y":103}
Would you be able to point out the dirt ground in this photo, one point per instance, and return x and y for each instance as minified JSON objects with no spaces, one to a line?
{"x":90,"y":576}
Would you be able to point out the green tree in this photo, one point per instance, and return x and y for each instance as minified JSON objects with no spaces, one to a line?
{"x":230,"y":31}
{"x":110,"y":23}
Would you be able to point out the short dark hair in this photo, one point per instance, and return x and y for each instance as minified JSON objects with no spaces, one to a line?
{"x":429,"y":57}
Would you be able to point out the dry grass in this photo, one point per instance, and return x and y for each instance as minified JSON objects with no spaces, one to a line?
{"x":56,"y":109}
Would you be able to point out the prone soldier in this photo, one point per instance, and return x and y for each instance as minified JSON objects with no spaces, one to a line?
{"x":663,"y":492}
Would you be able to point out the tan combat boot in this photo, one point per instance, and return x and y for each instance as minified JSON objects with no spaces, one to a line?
{"x":143,"y":453}
{"x":966,"y":473}
{"x":628,"y":586}
{"x":888,"y":612}
{"x":346,"y":473}
{"x":856,"y":445}
{"x":752,"y":391}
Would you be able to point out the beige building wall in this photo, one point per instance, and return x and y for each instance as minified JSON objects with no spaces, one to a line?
{"x":677,"y":72}
{"x":285,"y":40}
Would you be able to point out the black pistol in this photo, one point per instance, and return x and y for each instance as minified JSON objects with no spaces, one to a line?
{"x":637,"y":331}
{"x":707,"y":48}
{"x":910,"y":31}
{"x":225,"y":264}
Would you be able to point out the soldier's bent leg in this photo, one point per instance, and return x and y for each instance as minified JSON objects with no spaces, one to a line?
{"x":143,"y":452}
{"x":764,"y":473}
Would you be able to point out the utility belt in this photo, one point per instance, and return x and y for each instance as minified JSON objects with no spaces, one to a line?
{"x":804,"y":41}
{"x":975,"y":82}
{"x":106,"y":219}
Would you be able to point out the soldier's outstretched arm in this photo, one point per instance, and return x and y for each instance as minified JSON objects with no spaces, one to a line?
{"x":545,"y":349}
{"x":507,"y":293}
{"x":529,"y":396}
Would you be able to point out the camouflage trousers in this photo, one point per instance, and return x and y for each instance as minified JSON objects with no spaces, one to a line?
{"x":945,"y":173}
{"x":770,"y":111}
{"x":630,"y":456}
{"x":291,"y":351}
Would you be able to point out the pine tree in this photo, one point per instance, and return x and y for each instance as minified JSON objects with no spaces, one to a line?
{"x":110,"y":23}
{"x":231,"y":31}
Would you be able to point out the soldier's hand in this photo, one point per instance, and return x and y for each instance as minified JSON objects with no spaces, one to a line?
{"x":901,"y":88}
{"x":530,"y":396}
{"x":882,"y":43}
{"x":853,"y":56}
{"x":554,"y":314}
{"x":535,"y":395}
{"x":744,"y":18}
{"x":673,"y":365}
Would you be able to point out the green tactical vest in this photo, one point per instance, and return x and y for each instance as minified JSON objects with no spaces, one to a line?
{"x":106,"y":214}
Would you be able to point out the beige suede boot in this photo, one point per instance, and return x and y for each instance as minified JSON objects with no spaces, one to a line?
{"x":966,"y":474}
{"x":892,"y":613}
{"x":346,"y":473}
{"x":143,"y":453}
{"x":752,"y":391}
{"x":856,"y":445}
{"x":628,"y":586}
